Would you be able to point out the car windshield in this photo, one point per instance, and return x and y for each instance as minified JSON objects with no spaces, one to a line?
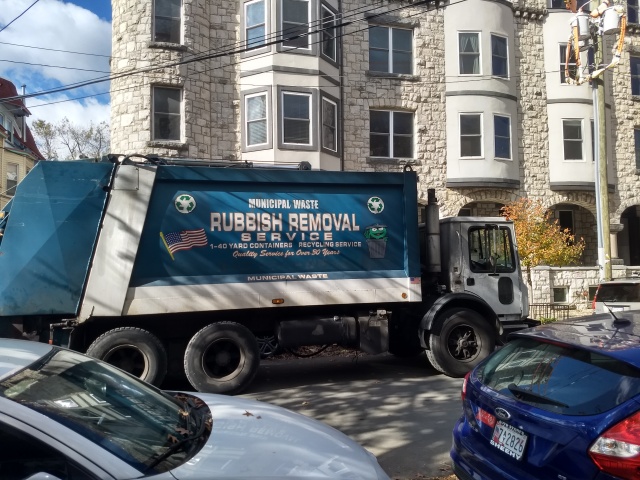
{"x":558,"y":378}
{"x":136,"y":422}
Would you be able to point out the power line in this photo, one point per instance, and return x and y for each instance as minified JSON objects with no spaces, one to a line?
{"x":55,"y":50}
{"x":52,"y":66}
{"x":27,"y":9}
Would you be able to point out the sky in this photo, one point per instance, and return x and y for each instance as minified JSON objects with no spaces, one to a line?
{"x":54,"y":44}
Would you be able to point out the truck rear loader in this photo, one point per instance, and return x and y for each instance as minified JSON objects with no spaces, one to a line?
{"x":165,"y":265}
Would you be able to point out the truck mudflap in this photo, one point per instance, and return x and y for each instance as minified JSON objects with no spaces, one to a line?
{"x":49,"y":237}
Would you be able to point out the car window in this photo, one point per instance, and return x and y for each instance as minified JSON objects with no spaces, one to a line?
{"x":22,"y":456}
{"x":131,"y":419}
{"x":561,"y":379}
{"x":619,"y":292}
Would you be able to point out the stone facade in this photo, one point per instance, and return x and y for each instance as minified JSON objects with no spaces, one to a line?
{"x":209,"y":68}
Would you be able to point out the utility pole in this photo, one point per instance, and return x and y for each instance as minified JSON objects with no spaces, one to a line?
{"x":601,"y":183}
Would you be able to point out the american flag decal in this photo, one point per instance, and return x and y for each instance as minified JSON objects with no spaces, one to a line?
{"x":184,"y":240}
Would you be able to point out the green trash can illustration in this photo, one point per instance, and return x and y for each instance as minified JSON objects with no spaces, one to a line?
{"x":377,"y":237}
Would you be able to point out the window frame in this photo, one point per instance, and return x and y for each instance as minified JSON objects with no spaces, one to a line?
{"x":494,"y":56}
{"x":480,"y":115}
{"x":391,"y":134}
{"x":633,"y":11}
{"x":267,"y":119}
{"x":180,"y":23}
{"x":8,"y":189}
{"x":154,"y":137}
{"x":509,"y":138}
{"x":634,"y":60}
{"x":324,"y":98}
{"x":565,"y":121}
{"x":478,"y":53}
{"x":281,"y":20}
{"x":312,"y":95}
{"x":392,"y":52}
{"x":332,"y":36}
{"x":246,"y":27}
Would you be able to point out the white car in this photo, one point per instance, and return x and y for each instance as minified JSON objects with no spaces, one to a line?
{"x":617,"y":295}
{"x":69,"y":416}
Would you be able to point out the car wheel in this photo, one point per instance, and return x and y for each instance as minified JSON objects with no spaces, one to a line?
{"x":222,"y":358}
{"x":133,"y":350}
{"x":458,"y":341}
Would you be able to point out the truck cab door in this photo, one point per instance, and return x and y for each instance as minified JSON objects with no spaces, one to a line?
{"x":494,"y":273}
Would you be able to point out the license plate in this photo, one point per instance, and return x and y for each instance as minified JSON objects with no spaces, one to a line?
{"x":509,"y":439}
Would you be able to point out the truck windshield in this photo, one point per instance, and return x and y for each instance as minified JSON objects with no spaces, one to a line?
{"x":134,"y":421}
{"x":491,"y":249}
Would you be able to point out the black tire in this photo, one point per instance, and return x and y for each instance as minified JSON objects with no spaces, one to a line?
{"x":133,"y":350}
{"x":459,"y":340}
{"x":222,"y":358}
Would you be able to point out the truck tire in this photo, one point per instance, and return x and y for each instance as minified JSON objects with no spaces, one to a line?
{"x":459,"y":340}
{"x":222,"y":358}
{"x":133,"y":350}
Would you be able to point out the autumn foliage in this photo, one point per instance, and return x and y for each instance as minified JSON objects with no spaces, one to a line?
{"x":541,"y":240}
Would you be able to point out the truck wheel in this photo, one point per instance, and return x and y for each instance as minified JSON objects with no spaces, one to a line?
{"x":133,"y":350}
{"x":222,"y":358}
{"x":458,"y":341}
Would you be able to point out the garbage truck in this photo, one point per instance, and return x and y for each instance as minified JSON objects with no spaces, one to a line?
{"x":160,"y":265}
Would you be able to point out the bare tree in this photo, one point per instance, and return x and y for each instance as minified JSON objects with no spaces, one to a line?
{"x":65,"y":140}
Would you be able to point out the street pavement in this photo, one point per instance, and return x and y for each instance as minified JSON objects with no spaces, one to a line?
{"x":401,"y":410}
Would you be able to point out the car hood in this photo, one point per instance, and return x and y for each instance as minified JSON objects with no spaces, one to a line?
{"x":255,"y":440}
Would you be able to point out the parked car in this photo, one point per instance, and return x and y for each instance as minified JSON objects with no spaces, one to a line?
{"x":70,"y":416}
{"x":617,"y":295}
{"x":559,"y":401}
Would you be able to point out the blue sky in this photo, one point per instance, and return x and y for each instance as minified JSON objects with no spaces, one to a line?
{"x":55,"y":44}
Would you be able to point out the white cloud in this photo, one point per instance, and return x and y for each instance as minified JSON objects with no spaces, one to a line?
{"x":55,"y":25}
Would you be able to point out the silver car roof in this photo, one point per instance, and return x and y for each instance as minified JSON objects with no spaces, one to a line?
{"x":17,"y":354}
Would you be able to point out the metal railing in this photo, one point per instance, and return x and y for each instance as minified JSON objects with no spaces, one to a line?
{"x":558,"y":311}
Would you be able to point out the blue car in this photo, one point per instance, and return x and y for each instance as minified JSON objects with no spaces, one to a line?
{"x":560,"y":401}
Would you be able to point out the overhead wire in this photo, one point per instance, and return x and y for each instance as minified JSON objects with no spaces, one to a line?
{"x":25,"y":11}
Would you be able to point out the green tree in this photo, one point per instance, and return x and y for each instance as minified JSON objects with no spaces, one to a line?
{"x":541,"y":240}
{"x":64,"y":140}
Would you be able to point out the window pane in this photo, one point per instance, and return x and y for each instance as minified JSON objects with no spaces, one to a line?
{"x":635,"y":75}
{"x":255,"y":36}
{"x":166,"y":116}
{"x":167,"y":30}
{"x":12,"y":178}
{"x":470,"y":124}
{"x":572,"y":129}
{"x":328,"y":113}
{"x":380,"y":121}
{"x":296,"y":131}
{"x":402,"y":147}
{"x":295,"y":11}
{"x":166,"y":100}
{"x":168,"y":8}
{"x":296,"y":106}
{"x":402,"y":123}
{"x":502,"y":136}
{"x":328,"y":34}
{"x":166,"y":127}
{"x":329,"y":116}
{"x":402,"y":62}
{"x":502,"y":125}
{"x":499,"y":56}
{"x":470,"y":146}
{"x":503,"y":148}
{"x":469,"y":43}
{"x":257,"y":107}
{"x":636,"y":136}
{"x":379,"y":60}
{"x":469,"y":53}
{"x":379,"y":37}
{"x":402,"y":39}
{"x":255,"y":14}
{"x":297,"y":120}
{"x":379,"y":145}
{"x":295,"y":21}
{"x":257,"y":132}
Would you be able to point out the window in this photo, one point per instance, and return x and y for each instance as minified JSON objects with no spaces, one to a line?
{"x":499,"y":56}
{"x":572,"y":69}
{"x":391,"y":134}
{"x":12,"y":178}
{"x":296,"y":118}
{"x":491,"y":250}
{"x":572,"y":135}
{"x":560,"y":294}
{"x":329,"y":34}
{"x":166,"y":113}
{"x":256,"y":118}
{"x":471,"y":135}
{"x":557,"y":4}
{"x":632,"y":11}
{"x":469,"y":48}
{"x":593,"y":141}
{"x":167,"y":21}
{"x":295,"y":23}
{"x":329,"y":125}
{"x":636,"y":137}
{"x":635,"y":75}
{"x":390,"y":50}
{"x":255,"y":23}
{"x":502,"y":136}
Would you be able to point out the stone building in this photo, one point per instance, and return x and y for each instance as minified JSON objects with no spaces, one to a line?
{"x":472,"y":93}
{"x":18,"y":150}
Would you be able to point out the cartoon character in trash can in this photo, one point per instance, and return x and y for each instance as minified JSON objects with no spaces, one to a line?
{"x":377,"y":236}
